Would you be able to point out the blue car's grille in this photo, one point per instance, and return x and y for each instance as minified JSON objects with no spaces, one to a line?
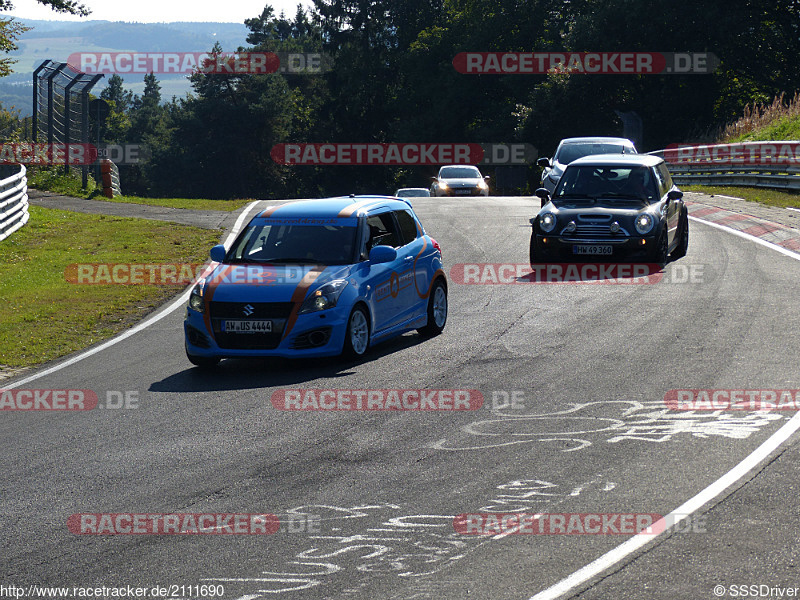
{"x":250,"y":310}
{"x":277,"y":312}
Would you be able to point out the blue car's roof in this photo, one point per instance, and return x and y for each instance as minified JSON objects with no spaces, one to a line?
{"x":343,"y":206}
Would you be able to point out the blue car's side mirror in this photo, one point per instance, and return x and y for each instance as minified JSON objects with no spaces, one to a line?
{"x":217,"y":253}
{"x":382,"y":254}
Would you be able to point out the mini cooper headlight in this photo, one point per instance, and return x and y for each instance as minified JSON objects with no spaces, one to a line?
{"x":196,"y":297}
{"x":644,"y":223}
{"x":483,"y":185}
{"x":324,"y":298}
{"x":443,"y":185}
{"x":547,"y":222}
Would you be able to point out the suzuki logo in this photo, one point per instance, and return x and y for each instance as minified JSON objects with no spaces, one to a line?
{"x":248,"y":310}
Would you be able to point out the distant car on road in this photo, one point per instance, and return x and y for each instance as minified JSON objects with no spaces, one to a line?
{"x":318,"y":278}
{"x":412,"y":193}
{"x":612,"y":206}
{"x":570,"y":149}
{"x":460,"y":180}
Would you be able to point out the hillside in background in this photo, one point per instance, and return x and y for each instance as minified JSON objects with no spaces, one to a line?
{"x":779,"y":120}
{"x":56,"y":40}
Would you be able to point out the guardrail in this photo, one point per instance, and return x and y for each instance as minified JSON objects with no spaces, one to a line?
{"x":774,"y":164}
{"x":13,"y":200}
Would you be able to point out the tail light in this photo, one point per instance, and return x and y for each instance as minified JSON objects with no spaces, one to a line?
{"x":436,"y":245}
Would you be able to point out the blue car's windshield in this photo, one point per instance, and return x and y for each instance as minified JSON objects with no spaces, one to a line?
{"x":317,"y":244}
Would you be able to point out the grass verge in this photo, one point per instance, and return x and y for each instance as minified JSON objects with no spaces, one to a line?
{"x":55,"y":181}
{"x":761,"y":195}
{"x":44,"y":316}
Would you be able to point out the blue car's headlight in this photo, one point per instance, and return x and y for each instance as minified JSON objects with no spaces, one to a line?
{"x":196,"y":297}
{"x":325,"y":297}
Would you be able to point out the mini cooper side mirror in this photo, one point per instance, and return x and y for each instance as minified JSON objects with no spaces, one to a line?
{"x":674,"y":195}
{"x":543,"y":162}
{"x":543,"y":195}
{"x":217,"y":253}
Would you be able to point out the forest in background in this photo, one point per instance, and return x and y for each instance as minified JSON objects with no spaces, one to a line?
{"x":393,"y":80}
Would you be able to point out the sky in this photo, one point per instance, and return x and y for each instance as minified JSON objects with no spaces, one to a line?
{"x":160,"y":11}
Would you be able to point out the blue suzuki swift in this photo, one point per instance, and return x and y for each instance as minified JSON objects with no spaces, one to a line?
{"x":318,"y":278}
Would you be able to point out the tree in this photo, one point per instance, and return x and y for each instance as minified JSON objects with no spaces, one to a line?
{"x":116,"y":93}
{"x":10,"y":30}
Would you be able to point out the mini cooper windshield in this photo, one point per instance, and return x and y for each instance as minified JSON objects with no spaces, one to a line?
{"x":609,"y":183}
{"x":570,"y":152}
{"x":295,"y":243}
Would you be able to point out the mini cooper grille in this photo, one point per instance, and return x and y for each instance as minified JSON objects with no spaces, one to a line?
{"x":594,"y":230}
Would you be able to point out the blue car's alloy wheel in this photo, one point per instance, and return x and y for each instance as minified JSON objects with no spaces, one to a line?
{"x":437,"y":309}
{"x":356,"y":339}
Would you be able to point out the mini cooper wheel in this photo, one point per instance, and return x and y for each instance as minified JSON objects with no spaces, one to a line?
{"x":356,"y":338}
{"x":437,"y":310}
{"x":532,"y":251}
{"x":661,"y":251}
{"x":683,"y":244}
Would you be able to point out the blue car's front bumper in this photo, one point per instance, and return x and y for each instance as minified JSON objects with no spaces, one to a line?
{"x":313,"y":334}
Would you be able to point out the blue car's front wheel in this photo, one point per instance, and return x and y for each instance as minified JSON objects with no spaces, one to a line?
{"x":356,"y":339}
{"x":437,"y":309}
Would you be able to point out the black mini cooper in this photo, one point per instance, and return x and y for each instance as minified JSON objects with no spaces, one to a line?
{"x":612,"y":206}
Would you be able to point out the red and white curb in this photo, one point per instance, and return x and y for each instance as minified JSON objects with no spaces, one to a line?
{"x":774,"y":233}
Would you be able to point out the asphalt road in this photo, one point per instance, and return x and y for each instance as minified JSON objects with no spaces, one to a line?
{"x":366,"y":500}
